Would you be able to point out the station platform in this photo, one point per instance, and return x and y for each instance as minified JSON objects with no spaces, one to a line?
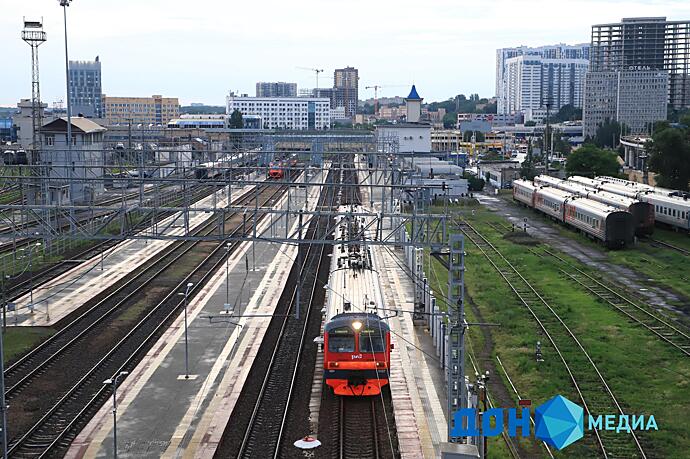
{"x":55,"y":299}
{"x":162,"y":414}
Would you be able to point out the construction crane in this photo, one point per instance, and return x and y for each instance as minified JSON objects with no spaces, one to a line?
{"x":317,"y":71}
{"x":376,"y":88}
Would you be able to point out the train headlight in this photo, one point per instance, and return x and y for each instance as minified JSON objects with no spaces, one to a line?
{"x":357,"y":325}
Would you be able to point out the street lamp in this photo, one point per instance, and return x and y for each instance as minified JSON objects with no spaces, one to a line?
{"x":186,"y":341}
{"x":113,"y":381}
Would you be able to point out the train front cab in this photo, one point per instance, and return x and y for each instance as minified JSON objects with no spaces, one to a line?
{"x":357,"y":355}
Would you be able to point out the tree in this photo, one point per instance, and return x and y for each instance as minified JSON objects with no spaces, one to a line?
{"x":450,"y":120}
{"x":608,"y":134}
{"x":590,"y":161}
{"x":236,"y":120}
{"x":530,"y":123}
{"x":478,"y":136}
{"x":566,"y":113}
{"x":527,"y":169}
{"x":560,"y":144}
{"x":474,"y":183}
{"x":670,"y":157}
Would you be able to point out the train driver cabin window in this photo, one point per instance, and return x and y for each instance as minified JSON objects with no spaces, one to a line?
{"x":371,"y":340}
{"x":341,"y":340}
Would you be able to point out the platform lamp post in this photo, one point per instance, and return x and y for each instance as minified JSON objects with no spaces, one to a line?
{"x":186,"y":340}
{"x":113,"y":382}
{"x":3,"y":405}
{"x":31,"y":275}
{"x":64,"y":4}
{"x":227,"y":274}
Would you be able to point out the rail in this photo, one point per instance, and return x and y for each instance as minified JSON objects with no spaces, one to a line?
{"x":590,"y":381}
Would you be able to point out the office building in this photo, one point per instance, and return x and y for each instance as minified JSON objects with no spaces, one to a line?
{"x":553,"y":53}
{"x":638,"y":67}
{"x":636,"y":98}
{"x":284,"y":113}
{"x":646,"y":44}
{"x":141,"y":110}
{"x":534,"y":82}
{"x":278,"y":89}
{"x":85,"y":95}
{"x":345,"y":90}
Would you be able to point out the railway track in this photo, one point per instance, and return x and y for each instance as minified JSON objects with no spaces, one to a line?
{"x":115,"y":342}
{"x":22,"y":284}
{"x":641,"y":314}
{"x":24,"y":241}
{"x":512,"y":449}
{"x":675,"y":248}
{"x":358,"y":428}
{"x":589,"y":383}
{"x":267,"y":423}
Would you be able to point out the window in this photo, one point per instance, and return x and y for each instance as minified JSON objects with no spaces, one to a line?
{"x":50,"y":140}
{"x":371,"y":340}
{"x":341,"y":340}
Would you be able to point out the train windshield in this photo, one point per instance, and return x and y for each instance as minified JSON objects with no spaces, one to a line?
{"x":371,"y":340}
{"x":341,"y":340}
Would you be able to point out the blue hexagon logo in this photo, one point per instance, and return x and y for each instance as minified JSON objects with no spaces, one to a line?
{"x":559,"y":422}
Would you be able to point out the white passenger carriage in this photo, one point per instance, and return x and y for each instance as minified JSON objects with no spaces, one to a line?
{"x":672,"y":210}
{"x":670,"y":207}
{"x":551,"y":201}
{"x":642,"y":212}
{"x":613,"y":227}
{"x":523,"y":191}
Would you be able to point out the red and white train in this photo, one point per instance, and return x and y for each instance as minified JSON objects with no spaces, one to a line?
{"x":613,"y":227}
{"x":642,"y":212}
{"x":357,"y":342}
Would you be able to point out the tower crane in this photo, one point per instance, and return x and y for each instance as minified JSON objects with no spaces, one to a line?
{"x":316,"y":71}
{"x":376,"y":88}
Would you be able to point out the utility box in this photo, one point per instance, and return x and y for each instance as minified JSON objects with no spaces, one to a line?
{"x":459,"y":451}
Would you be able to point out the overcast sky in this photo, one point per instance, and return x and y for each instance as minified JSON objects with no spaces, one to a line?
{"x":199,"y":50}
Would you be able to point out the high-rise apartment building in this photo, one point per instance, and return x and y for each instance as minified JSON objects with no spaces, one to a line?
{"x":637,"y":67}
{"x":146,"y":110}
{"x":562,"y":53}
{"x":532,"y":82}
{"x":278,"y":89}
{"x":345,"y":90}
{"x":85,"y":95}
{"x":646,"y":44}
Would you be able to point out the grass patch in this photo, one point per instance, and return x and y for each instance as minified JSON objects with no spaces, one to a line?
{"x":646,"y":375}
{"x":18,"y":340}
